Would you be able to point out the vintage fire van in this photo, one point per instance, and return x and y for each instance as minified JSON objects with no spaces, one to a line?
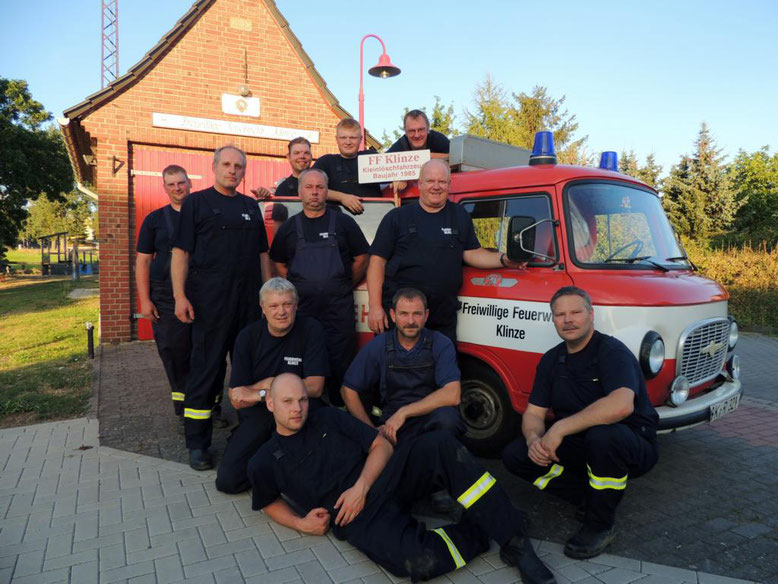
{"x":590,"y":227}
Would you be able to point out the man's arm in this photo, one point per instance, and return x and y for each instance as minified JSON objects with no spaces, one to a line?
{"x":354,"y":405}
{"x":316,"y":522}
{"x":439,"y":155}
{"x":610,"y":409}
{"x":448,"y":395}
{"x":358,"y":268}
{"x":377,"y":320}
{"x":352,"y":501}
{"x":264,"y":263}
{"x":179,"y":268}
{"x":142,"y":270}
{"x":350,"y":202}
{"x":280,"y":269}
{"x":488,"y":259}
{"x":243,"y":396}
{"x":533,"y":426}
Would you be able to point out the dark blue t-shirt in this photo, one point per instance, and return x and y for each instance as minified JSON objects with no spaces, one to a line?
{"x":368,"y":368}
{"x":437,"y":143}
{"x":287,"y":187}
{"x":351,"y":240}
{"x":314,"y":466}
{"x":258,"y":354}
{"x":154,"y":238}
{"x":343,"y":174}
{"x":602,"y":366}
{"x":199,"y":227}
{"x":393,"y":237}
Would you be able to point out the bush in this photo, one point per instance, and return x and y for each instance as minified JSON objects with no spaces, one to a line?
{"x":751,"y":277}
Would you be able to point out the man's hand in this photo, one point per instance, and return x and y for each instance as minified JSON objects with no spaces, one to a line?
{"x":243,"y":397}
{"x":317,"y":522}
{"x":537,"y":452}
{"x":353,"y":204}
{"x":521,"y":266}
{"x":149,"y":311}
{"x":350,"y":504}
{"x":550,"y":441}
{"x":399,"y":185}
{"x":184,"y":310}
{"x":376,"y":320}
{"x":392,"y":426}
{"x":261,"y":193}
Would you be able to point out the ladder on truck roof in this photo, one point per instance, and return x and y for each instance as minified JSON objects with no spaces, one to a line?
{"x":474,"y":153}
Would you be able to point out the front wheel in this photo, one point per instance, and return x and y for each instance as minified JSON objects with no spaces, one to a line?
{"x":486,"y":410}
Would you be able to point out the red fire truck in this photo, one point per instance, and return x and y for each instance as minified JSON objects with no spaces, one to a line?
{"x":594,"y":228}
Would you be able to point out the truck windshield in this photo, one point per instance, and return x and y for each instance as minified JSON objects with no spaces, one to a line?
{"x":615,"y":225}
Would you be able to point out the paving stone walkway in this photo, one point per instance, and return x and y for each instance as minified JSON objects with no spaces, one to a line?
{"x":76,"y":512}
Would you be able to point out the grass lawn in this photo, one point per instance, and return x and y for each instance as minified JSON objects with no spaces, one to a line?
{"x":45,"y":372}
{"x":24,"y":259}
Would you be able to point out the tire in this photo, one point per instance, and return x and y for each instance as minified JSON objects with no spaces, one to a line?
{"x":486,"y":410}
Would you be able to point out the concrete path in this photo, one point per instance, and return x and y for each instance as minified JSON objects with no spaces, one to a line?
{"x":77,"y":512}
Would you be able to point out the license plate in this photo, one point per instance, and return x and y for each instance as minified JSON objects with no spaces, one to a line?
{"x":720,"y":410}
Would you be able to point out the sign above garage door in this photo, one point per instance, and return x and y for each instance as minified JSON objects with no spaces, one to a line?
{"x":212,"y":126}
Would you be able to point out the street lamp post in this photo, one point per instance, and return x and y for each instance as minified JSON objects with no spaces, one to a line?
{"x":383,"y":69}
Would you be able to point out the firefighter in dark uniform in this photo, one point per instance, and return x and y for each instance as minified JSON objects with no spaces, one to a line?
{"x":283,"y":342}
{"x":414,"y":372}
{"x":219,"y":258}
{"x":299,"y":157}
{"x":423,"y":245}
{"x":155,"y":292}
{"x":604,"y":431}
{"x":343,"y":168}
{"x":324,"y":254}
{"x":418,"y":136}
{"x":341,"y":473}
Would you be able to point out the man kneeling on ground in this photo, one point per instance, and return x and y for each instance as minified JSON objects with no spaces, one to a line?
{"x":279,"y":343}
{"x":340,"y":473}
{"x":604,"y":429}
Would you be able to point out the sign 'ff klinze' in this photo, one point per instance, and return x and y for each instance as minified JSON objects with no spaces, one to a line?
{"x":404,"y":166}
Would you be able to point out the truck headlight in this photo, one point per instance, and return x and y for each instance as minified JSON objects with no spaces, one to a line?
{"x":733,"y":333}
{"x":679,"y":390}
{"x":733,"y":367}
{"x":652,"y":354}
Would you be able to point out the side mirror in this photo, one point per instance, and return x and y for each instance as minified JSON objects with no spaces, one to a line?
{"x":521,"y":239}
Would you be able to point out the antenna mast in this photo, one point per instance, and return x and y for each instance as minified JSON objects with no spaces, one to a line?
{"x":110,"y":34}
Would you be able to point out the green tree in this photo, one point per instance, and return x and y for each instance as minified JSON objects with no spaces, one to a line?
{"x":628,"y":164}
{"x":73,"y":215}
{"x":516,"y":119}
{"x":755,"y":183}
{"x":697,"y":193}
{"x":32,"y":158}
{"x":650,"y":173}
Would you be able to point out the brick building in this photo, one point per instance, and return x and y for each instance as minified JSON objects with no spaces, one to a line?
{"x":230,"y":71}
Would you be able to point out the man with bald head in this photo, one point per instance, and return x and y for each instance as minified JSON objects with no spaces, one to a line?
{"x":423,"y":246}
{"x":219,"y":262}
{"x":340,"y":473}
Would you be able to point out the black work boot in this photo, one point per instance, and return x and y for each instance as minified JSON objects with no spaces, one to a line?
{"x":589,"y":542}
{"x":200,"y":459}
{"x":518,"y":552}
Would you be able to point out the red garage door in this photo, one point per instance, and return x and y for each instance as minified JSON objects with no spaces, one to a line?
{"x":147,"y":193}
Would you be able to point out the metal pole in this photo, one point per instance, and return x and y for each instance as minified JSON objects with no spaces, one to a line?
{"x":90,"y":339}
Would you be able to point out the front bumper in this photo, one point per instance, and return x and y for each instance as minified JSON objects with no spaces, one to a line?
{"x":697,"y":409}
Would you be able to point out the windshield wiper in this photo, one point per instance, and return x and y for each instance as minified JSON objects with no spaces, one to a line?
{"x":682,"y":258}
{"x":639,"y":259}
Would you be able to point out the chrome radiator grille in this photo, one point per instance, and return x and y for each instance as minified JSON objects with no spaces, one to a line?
{"x":703,"y":350}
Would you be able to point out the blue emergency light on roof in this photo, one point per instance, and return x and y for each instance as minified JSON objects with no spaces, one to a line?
{"x":543,"y":150}
{"x":609,"y":161}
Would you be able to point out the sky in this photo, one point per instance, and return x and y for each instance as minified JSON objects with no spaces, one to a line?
{"x":637,"y":75}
